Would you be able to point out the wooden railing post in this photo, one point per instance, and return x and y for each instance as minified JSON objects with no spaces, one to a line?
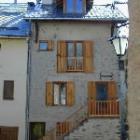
{"x":106,"y":108}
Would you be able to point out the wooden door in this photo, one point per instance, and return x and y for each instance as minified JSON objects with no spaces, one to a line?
{"x":8,"y":133}
{"x":37,"y":130}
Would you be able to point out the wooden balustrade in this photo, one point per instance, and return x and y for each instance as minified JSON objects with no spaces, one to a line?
{"x":109,"y":108}
{"x":62,"y":128}
{"x":65,"y":127}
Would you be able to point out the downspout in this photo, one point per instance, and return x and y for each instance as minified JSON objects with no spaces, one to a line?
{"x":114,"y":33}
{"x":28,"y":85}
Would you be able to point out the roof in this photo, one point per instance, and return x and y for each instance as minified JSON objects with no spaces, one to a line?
{"x":12,"y":23}
{"x":95,"y":13}
{"x":14,"y":18}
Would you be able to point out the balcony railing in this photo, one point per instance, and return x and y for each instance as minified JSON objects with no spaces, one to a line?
{"x":72,"y":121}
{"x":75,"y":64}
{"x":108,"y":108}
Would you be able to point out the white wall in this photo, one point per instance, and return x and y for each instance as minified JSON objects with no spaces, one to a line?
{"x":13,"y":66}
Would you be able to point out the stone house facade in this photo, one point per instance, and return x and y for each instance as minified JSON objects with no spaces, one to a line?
{"x":74,"y":68}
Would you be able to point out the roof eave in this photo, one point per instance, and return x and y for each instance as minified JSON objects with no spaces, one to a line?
{"x":12,"y":36}
{"x":78,"y":19}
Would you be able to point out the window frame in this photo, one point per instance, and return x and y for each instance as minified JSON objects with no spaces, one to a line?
{"x":5,"y":96}
{"x":43,"y":41}
{"x":99,"y":83}
{"x":59,"y":94}
{"x":74,"y":7}
{"x":75,"y":52}
{"x":121,"y":65}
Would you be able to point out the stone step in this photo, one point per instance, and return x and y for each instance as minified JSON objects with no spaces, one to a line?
{"x":97,"y":129}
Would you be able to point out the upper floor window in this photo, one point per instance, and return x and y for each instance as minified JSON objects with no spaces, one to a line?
{"x":75,"y":56}
{"x":74,"y":6}
{"x":8,"y":90}
{"x":45,"y":45}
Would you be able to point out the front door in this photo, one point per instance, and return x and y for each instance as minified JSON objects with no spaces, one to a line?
{"x":37,"y":130}
{"x":8,"y":133}
{"x":101,"y":91}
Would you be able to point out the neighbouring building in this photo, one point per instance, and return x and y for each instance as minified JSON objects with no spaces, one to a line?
{"x":74,"y":73}
{"x":133,"y":71}
{"x":14,"y":32}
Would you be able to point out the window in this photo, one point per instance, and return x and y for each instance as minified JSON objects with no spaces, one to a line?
{"x":37,"y":130}
{"x":75,"y":56}
{"x":121,"y":65}
{"x":8,"y":91}
{"x":101,"y":91}
{"x":74,"y":6}
{"x":45,"y":45}
{"x":59,"y":93}
{"x":75,"y":61}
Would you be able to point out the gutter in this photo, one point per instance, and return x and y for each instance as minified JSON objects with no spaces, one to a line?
{"x":18,"y":37}
{"x":79,"y":19}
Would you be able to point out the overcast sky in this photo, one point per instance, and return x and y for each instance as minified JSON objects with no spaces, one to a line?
{"x":24,"y":1}
{"x":123,"y":7}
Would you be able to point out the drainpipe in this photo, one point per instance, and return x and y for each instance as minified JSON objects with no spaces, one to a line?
{"x":28,"y":89}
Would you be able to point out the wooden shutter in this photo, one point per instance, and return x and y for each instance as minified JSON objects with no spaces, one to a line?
{"x":112,"y":90}
{"x":61,"y":56}
{"x":88,"y":56}
{"x":50,"y":45}
{"x":70,"y":93}
{"x":49,"y":93}
{"x":91,"y":90}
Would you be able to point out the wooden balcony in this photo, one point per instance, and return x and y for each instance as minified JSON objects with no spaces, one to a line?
{"x":109,"y":108}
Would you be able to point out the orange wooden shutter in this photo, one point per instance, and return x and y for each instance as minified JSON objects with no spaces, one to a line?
{"x":91,"y":90}
{"x":70,"y":93}
{"x":61,"y":56}
{"x":112,"y":90}
{"x":50,"y":45}
{"x":49,"y":93}
{"x":88,"y":56}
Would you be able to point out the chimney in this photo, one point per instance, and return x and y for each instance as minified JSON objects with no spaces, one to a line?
{"x":31,"y":6}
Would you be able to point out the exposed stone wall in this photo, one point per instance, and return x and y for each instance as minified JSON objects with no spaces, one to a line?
{"x":44,"y":66}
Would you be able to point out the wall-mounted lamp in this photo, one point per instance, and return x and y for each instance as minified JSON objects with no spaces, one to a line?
{"x":120,"y":43}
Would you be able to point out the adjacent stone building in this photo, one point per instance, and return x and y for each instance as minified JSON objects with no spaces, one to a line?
{"x":74,"y":70}
{"x":14,"y":32}
{"x":133,"y":71}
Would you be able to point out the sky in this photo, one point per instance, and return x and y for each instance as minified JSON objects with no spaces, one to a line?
{"x":95,"y":1}
{"x":123,"y":7}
